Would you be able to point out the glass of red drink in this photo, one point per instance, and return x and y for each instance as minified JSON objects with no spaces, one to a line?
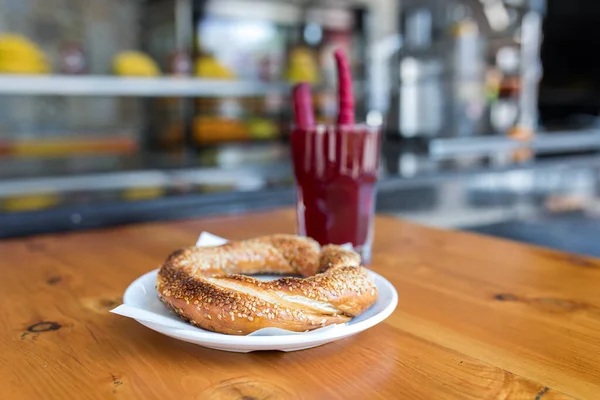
{"x":336,"y":170}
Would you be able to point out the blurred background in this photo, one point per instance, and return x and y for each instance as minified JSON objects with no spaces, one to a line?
{"x":120,"y":111}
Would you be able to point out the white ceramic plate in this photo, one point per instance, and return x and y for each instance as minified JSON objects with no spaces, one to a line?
{"x":142,"y":304}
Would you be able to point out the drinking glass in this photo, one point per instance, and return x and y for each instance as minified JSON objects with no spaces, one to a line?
{"x":336,"y":169}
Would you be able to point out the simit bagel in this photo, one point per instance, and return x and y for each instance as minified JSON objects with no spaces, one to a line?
{"x":203,"y":285}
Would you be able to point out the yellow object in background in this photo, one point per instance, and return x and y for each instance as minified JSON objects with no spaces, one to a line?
{"x":18,"y":55}
{"x":30,"y":202}
{"x":143,"y":193}
{"x":261,"y":128}
{"x":213,"y":129}
{"x":210,"y":68}
{"x":134,"y":63}
{"x":302,"y":66}
{"x":59,"y":147}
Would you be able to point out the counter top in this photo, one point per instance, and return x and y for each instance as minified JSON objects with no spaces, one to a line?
{"x":477,"y":318}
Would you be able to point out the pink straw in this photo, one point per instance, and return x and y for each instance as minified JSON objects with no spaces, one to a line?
{"x":303,"y":108}
{"x":346,"y":95}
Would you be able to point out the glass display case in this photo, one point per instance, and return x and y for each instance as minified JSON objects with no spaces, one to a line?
{"x":114,"y":103}
{"x":121,"y":111}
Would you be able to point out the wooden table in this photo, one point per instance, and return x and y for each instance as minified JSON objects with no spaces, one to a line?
{"x":477,"y":318}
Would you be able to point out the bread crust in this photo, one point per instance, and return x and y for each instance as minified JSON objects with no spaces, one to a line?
{"x":205,"y":285}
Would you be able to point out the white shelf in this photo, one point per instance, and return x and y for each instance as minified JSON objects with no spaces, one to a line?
{"x":242,"y":178}
{"x":132,"y":86}
{"x":542,"y":143}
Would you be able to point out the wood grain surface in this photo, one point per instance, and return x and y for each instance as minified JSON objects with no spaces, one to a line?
{"x":478,"y":318}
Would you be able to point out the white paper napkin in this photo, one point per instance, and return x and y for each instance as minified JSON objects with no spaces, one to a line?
{"x":171,"y":321}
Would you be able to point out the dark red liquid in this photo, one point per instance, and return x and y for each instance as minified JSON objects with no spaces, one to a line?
{"x":336,"y":172}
